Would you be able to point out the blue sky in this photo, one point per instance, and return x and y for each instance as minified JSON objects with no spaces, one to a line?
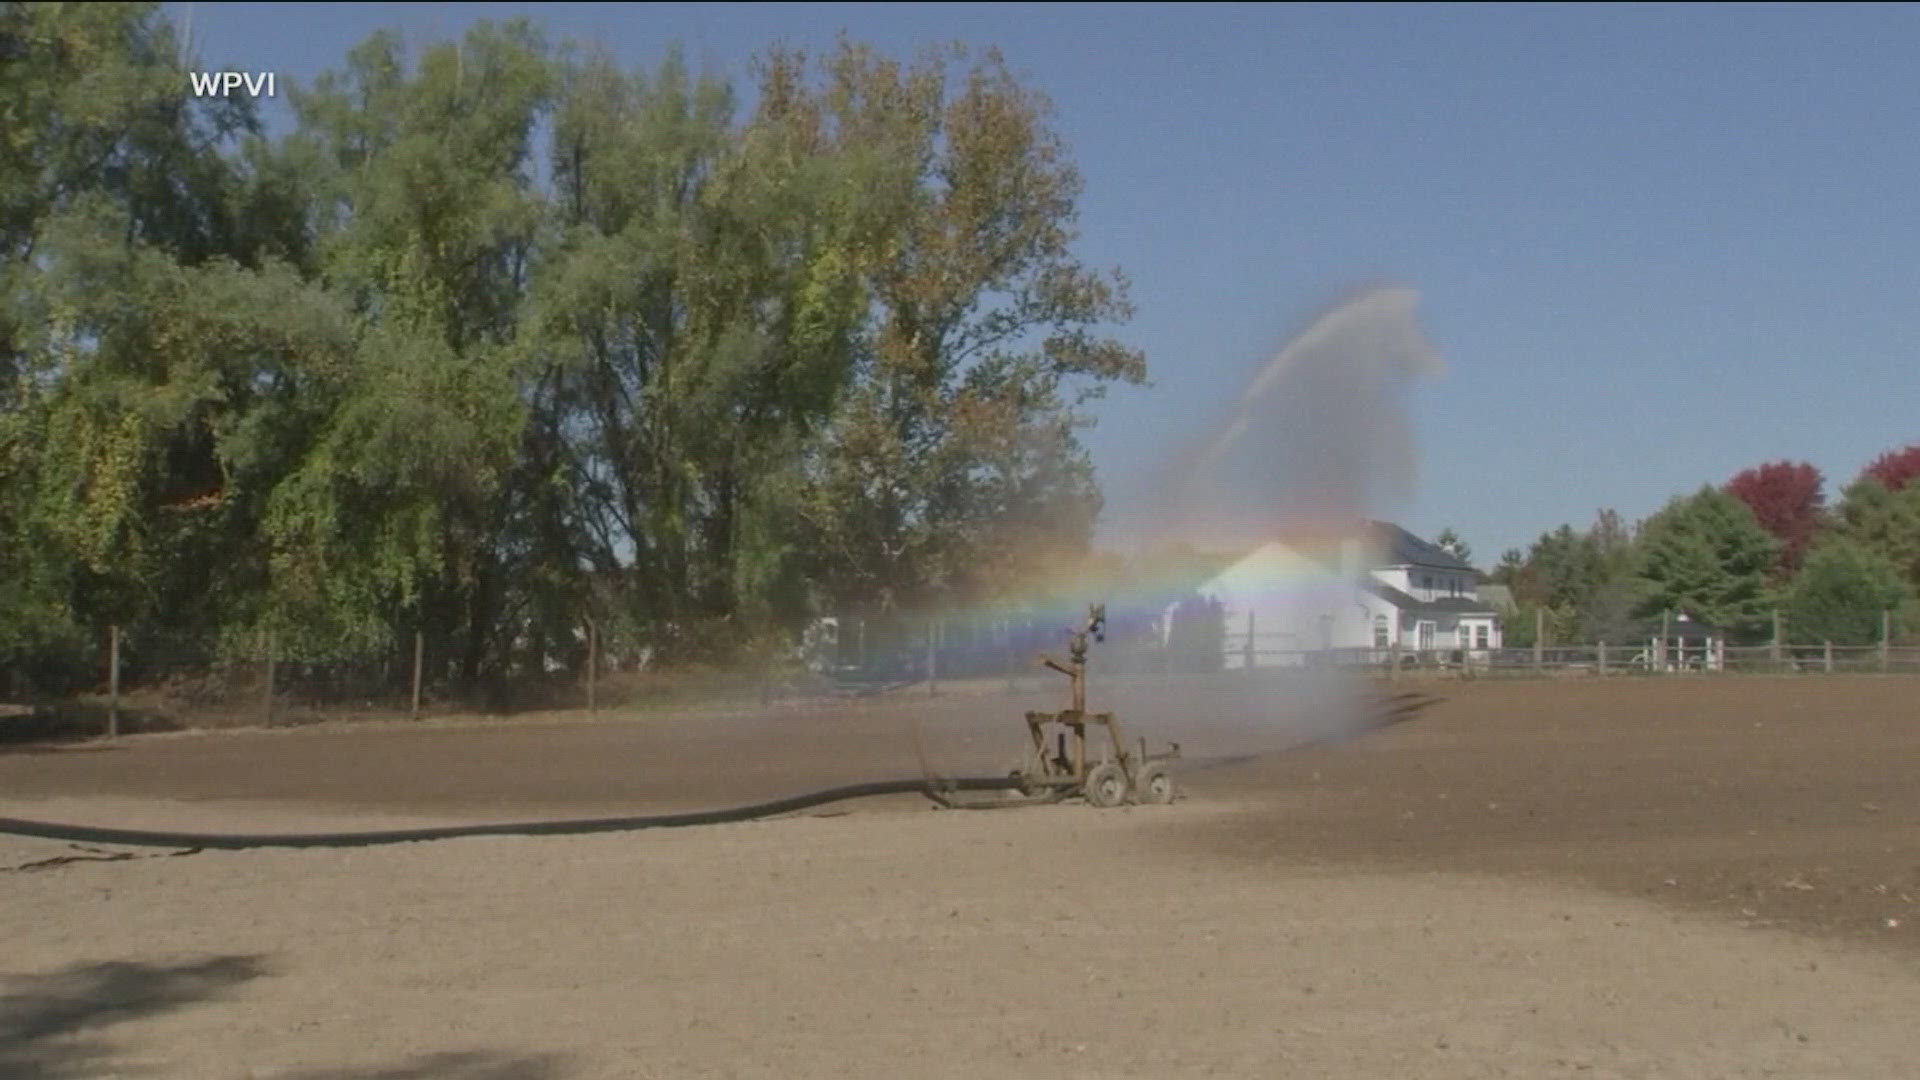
{"x":1656,"y":244}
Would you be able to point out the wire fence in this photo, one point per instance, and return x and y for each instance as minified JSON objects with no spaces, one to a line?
{"x":1673,"y":646}
{"x":154,"y":685}
{"x":127,"y":683}
{"x":147,"y":684}
{"x":1599,"y":658}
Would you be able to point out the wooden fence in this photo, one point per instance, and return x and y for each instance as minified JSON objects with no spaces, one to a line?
{"x":1598,"y":658}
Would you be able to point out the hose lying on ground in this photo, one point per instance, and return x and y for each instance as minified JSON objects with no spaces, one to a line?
{"x":930,"y":785}
{"x":1403,"y":707}
{"x":89,"y":834}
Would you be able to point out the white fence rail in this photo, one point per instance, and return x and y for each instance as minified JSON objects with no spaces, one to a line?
{"x":1644,"y":658}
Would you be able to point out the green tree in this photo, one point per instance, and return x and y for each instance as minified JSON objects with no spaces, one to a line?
{"x":1607,"y":612}
{"x":411,"y":508}
{"x":149,"y":336}
{"x":1517,"y":627}
{"x":953,"y":466}
{"x":1612,"y":541}
{"x":1840,"y":593}
{"x":1513,"y":563}
{"x":1583,"y":580}
{"x":1565,"y":568}
{"x":1884,"y":522}
{"x":780,"y":354}
{"x":698,"y":321}
{"x":1520,"y":629}
{"x":1707,"y":556}
{"x":498,"y":337}
{"x":180,"y":407}
{"x":1561,"y":570}
{"x":1450,"y":542}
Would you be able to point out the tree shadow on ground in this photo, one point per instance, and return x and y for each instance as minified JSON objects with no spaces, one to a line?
{"x":49,"y":1024}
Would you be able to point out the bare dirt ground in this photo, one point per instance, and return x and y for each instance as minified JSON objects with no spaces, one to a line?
{"x":1686,"y":878}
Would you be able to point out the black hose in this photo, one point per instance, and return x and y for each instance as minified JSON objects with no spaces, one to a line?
{"x":88,"y":834}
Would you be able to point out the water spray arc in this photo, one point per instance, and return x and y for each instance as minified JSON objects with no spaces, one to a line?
{"x":1318,"y":440}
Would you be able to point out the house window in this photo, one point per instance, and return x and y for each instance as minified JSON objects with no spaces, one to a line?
{"x":1480,"y":636}
{"x":1381,"y":640}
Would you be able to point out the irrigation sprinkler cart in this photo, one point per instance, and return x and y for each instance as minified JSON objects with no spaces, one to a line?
{"x":1119,"y":776}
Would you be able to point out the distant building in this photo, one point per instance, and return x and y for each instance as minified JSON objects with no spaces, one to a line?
{"x":1289,"y":600}
{"x":1682,"y":643}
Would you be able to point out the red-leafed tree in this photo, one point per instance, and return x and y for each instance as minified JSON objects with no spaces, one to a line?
{"x":1895,"y":468}
{"x":1787,"y":499}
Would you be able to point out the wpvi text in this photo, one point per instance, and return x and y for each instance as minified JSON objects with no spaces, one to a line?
{"x":228,"y":83}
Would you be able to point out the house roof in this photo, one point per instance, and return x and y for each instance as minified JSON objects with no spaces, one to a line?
{"x":1445,"y":605}
{"x":1396,"y":546}
{"x":1381,"y":544}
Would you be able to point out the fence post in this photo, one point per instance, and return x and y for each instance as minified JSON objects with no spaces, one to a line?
{"x":1393,"y":653}
{"x":113,"y":682}
{"x":933,"y":659}
{"x":1603,"y":656}
{"x":1886,"y":638}
{"x":419,"y":665}
{"x":1539,"y":639}
{"x":1773,"y":650}
{"x":1829,"y":650}
{"x":267,"y":703}
{"x":766,"y":676}
{"x":593,"y":668}
{"x":1248,"y":651}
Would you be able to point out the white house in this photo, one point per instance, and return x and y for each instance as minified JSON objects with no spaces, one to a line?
{"x":1356,"y":595}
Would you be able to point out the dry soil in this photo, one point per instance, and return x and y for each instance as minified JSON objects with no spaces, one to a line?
{"x":1620,"y":878}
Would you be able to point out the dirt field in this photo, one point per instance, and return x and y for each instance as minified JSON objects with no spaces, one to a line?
{"x":1687,"y":878}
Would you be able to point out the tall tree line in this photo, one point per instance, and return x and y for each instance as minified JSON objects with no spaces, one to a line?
{"x":1766,"y":541}
{"x":500,"y":336}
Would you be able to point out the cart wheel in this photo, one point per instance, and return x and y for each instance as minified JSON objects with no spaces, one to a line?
{"x":1106,"y":785}
{"x":1154,"y":784}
